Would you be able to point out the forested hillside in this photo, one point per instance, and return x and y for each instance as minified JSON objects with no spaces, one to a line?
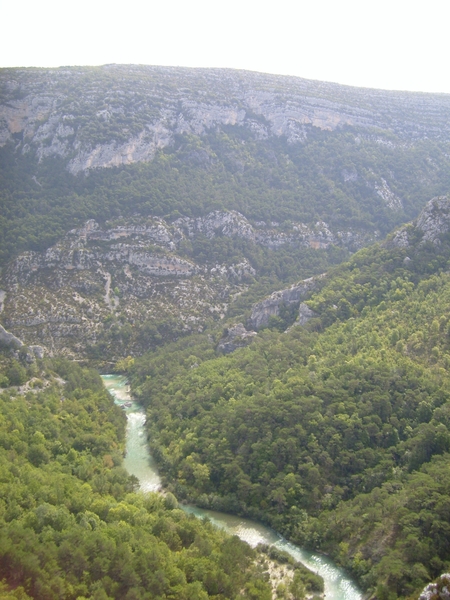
{"x":336,"y":433}
{"x":72,"y":524}
{"x":146,"y":214}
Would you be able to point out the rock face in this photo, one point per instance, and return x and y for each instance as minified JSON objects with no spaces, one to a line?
{"x":269,"y":235}
{"x":235,"y":337}
{"x":440,"y":590}
{"x":391,"y":200}
{"x":127,"y":113}
{"x":9,"y":340}
{"x":86,"y":288}
{"x":434,"y":220}
{"x":130,"y":271}
{"x":230,"y":224}
{"x":305,"y":314}
{"x":431,"y":224}
{"x":97,"y":278}
{"x":150,"y":248}
{"x":262,"y":311}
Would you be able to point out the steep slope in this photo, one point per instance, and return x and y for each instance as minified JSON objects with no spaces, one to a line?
{"x":141,"y":204}
{"x":151,"y":105}
{"x":71,"y":523}
{"x":106,"y":292}
{"x":337,"y":432}
{"x":81,"y":143}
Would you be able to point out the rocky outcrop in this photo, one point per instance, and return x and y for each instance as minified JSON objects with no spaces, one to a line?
{"x":391,"y":200}
{"x":84,"y":249}
{"x":262,"y":311}
{"x":228,"y":224}
{"x":431,"y":224}
{"x":83,"y":290}
{"x":440,"y":590}
{"x":235,"y":337}
{"x":139,"y":148}
{"x":270,"y":235}
{"x":153,"y":229}
{"x":400,"y":238}
{"x":305,"y":314}
{"x":237,"y":272}
{"x":134,"y":271}
{"x":434,"y":220}
{"x":67,"y":296}
{"x":38,"y":351}
{"x":11,"y":341}
{"x":8,"y":339}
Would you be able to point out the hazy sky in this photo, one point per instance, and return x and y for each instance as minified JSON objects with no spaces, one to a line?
{"x":395,"y":44}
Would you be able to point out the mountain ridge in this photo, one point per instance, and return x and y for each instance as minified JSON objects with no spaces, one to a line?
{"x":101,"y":142}
{"x":187,"y":111}
{"x":139,"y":273}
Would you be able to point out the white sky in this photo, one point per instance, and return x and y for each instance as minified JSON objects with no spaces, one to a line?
{"x":389,"y":44}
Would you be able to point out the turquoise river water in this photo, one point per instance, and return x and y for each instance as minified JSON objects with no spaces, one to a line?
{"x":139,"y":462}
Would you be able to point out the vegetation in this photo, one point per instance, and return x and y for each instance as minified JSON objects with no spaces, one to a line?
{"x":275,"y":182}
{"x":71,"y":523}
{"x":336,"y":433}
{"x":401,"y":139}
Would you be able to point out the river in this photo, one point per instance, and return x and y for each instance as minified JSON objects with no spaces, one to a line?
{"x":139,"y":462}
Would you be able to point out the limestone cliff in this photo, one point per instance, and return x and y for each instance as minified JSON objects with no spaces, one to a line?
{"x":305,"y":162}
{"x":10,"y":341}
{"x":440,"y":590}
{"x":262,"y":311}
{"x":100,"y":287}
{"x":98,"y":281}
{"x":145,"y":108}
{"x":431,"y":224}
{"x":235,"y":337}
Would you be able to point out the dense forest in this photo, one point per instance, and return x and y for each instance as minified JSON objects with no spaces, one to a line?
{"x":336,"y":432}
{"x":72,"y":523}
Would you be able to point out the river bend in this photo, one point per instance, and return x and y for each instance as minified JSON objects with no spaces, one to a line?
{"x":139,"y":462}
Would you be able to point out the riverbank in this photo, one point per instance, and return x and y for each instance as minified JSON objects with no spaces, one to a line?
{"x":138,"y":462}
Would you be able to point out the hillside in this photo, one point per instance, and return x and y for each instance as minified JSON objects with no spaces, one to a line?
{"x":72,"y":524}
{"x":104,"y":293}
{"x":260,"y":255}
{"x":98,"y":143}
{"x":336,"y":432}
{"x":141,"y":204}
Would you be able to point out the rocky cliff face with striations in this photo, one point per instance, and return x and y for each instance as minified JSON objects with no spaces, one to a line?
{"x":88,"y":289}
{"x":271,"y":235}
{"x":8,"y":340}
{"x":334,"y":164}
{"x":280,"y":164}
{"x":95,"y":279}
{"x":145,"y":108}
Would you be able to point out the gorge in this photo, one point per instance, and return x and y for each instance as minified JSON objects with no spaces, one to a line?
{"x":266,"y":260}
{"x":139,"y":462}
